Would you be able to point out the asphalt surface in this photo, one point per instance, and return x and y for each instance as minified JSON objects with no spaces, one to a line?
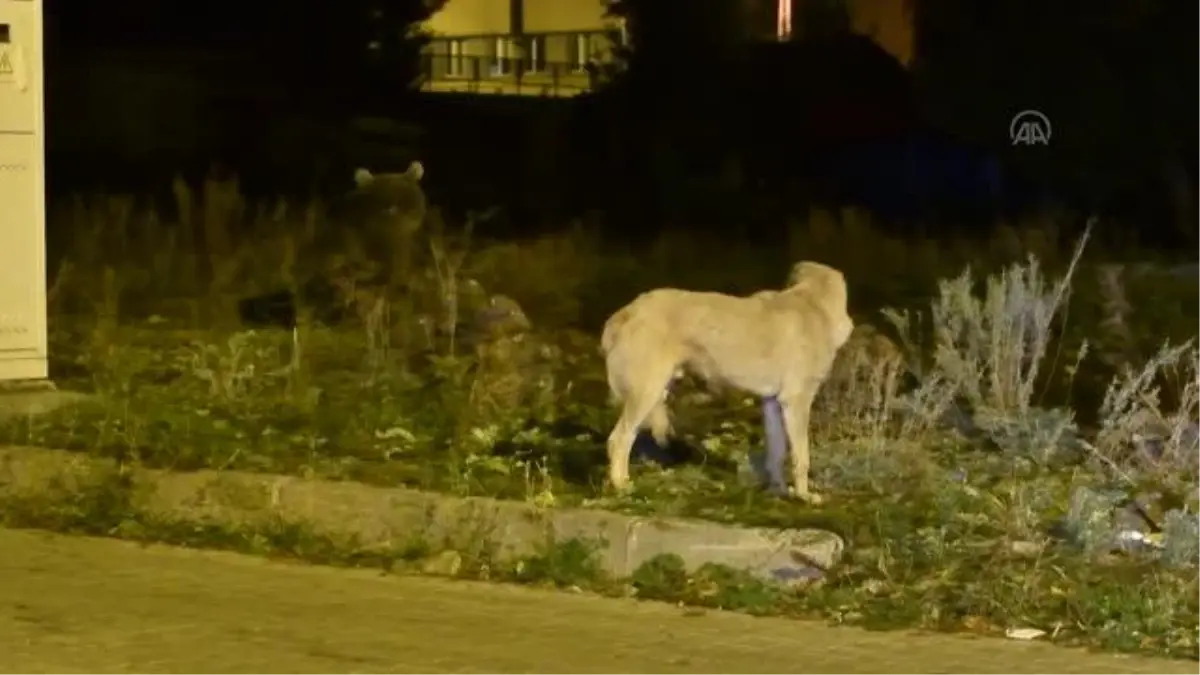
{"x":76,"y":604}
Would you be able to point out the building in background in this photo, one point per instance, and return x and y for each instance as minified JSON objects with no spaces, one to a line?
{"x":544,"y":47}
{"x":538,"y":47}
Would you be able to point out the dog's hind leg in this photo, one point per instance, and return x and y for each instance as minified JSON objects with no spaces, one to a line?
{"x":659,"y":420}
{"x":643,"y":405}
{"x":796,"y":409}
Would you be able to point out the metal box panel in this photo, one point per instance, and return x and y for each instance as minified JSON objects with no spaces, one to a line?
{"x":21,"y":87}
{"x":22,"y":193}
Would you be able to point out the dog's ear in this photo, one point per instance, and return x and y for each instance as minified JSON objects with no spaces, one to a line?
{"x":822,"y":281}
{"x":807,"y":271}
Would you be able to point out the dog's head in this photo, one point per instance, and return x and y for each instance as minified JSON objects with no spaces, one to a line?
{"x":827,"y":287}
{"x":818,"y":278}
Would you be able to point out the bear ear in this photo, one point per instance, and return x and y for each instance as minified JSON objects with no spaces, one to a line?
{"x":416,"y":171}
{"x":363,"y":177}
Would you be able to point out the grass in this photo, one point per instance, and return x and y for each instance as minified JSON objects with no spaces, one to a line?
{"x":980,"y":440}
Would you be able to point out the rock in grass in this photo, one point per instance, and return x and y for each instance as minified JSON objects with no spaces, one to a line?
{"x":446,"y":564}
{"x":1089,"y":522}
{"x":1158,"y":445}
{"x":1105,"y":521}
{"x":1024,"y":633}
{"x":1026,"y":549}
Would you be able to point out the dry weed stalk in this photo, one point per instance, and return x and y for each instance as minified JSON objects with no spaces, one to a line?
{"x":1117,"y":343}
{"x":859,"y":398}
{"x":223,"y":206}
{"x":991,"y":349}
{"x":447,"y":265}
{"x":1136,"y":435}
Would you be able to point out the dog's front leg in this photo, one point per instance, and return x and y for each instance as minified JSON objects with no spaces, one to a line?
{"x":796,"y":409}
{"x":777,"y":445}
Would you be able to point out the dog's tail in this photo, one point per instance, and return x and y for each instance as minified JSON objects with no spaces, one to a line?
{"x":612,"y":329}
{"x":609,"y":339}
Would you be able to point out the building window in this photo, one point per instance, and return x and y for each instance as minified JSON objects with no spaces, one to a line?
{"x":535,"y":53}
{"x":581,"y":51}
{"x":502,"y":57}
{"x":454,"y":58}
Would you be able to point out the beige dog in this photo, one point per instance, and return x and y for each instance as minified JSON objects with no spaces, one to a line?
{"x":773,"y":344}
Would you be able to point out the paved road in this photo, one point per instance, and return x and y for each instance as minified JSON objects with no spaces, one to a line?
{"x":74,"y":604}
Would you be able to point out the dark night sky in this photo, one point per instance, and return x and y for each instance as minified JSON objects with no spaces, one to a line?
{"x":1117,"y":76}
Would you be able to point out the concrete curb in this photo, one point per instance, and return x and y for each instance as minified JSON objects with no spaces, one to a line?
{"x":378,"y":517}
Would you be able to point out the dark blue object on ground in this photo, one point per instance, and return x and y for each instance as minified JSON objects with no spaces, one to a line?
{"x":768,"y":467}
{"x":777,"y":445}
{"x":645,"y":449}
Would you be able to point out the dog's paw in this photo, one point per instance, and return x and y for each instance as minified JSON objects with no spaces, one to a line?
{"x":619,"y":484}
{"x":790,"y":494}
{"x":777,"y":490}
{"x":810,"y":498}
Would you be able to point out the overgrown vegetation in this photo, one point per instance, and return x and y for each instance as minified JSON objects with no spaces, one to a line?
{"x":1009,"y":446}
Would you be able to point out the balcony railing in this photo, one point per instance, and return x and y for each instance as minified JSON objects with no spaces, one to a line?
{"x":505,"y":76}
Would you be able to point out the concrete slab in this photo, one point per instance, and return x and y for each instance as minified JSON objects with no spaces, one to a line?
{"x":378,"y":517}
{"x":33,"y":397}
{"x":786,"y":556}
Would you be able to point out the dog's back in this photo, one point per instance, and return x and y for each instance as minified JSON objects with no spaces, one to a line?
{"x":613,"y":328}
{"x":748,"y":341}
